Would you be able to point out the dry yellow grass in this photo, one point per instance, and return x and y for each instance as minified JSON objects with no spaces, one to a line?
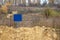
{"x":27,"y":33}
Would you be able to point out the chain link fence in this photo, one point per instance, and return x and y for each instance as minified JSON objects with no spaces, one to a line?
{"x":34,"y":19}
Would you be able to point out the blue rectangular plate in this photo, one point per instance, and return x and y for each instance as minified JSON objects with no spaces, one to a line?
{"x":17,"y":17}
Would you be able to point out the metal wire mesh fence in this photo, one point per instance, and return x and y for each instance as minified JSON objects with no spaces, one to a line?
{"x":37,"y":19}
{"x":31,"y":20}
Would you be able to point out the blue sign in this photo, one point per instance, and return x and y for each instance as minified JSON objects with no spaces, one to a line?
{"x":17,"y":17}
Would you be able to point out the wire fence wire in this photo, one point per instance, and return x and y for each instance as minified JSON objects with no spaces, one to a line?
{"x":31,"y":20}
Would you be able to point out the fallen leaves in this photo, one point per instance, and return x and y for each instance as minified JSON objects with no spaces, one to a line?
{"x":27,"y":33}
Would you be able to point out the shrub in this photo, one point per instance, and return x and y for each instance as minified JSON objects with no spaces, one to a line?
{"x":50,"y":12}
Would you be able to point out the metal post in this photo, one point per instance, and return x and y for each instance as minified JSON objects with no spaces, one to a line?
{"x":16,"y":24}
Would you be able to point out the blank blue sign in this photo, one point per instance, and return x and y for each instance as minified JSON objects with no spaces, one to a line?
{"x":17,"y":17}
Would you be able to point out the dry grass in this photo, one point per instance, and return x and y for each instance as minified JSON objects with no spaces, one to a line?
{"x":27,"y":33}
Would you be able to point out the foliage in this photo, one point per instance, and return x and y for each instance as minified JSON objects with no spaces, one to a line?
{"x":50,"y":12}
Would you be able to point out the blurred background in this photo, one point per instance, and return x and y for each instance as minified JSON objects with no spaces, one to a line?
{"x":34,"y":12}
